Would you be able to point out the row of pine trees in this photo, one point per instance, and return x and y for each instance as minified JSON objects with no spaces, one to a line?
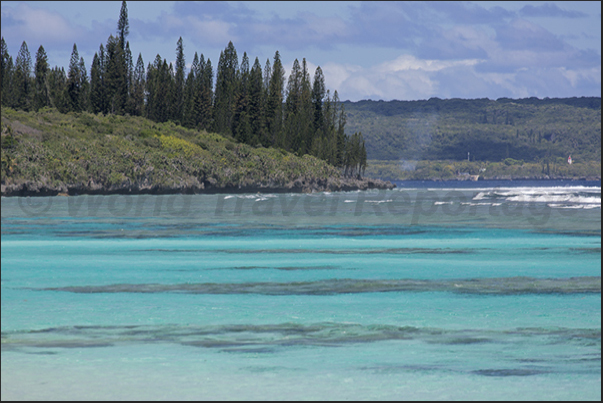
{"x":254,"y":105}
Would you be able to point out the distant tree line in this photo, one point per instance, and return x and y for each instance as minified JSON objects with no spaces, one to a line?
{"x":254,"y":105}
{"x":530,"y":129}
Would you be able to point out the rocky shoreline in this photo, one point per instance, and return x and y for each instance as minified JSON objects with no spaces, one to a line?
{"x":299,"y":185}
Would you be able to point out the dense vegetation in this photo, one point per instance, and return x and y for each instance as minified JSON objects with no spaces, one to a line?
{"x":557,"y":168}
{"x":251,"y":104}
{"x":253,"y":108}
{"x":48,"y":152}
{"x":531,"y":130}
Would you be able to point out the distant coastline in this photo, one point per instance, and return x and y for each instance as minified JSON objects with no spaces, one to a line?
{"x":509,"y":169}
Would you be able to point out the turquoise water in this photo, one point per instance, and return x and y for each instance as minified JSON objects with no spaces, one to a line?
{"x":455,"y":291}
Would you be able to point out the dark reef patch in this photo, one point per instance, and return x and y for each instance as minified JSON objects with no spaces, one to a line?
{"x":479,"y":286}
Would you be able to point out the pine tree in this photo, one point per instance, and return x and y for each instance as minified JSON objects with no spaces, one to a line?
{"x":257,"y":101}
{"x":178,"y":90}
{"x":206,"y":95}
{"x":323,"y":129}
{"x":117,"y":68}
{"x":318,"y":95}
{"x":149,"y":110}
{"x":153,"y":92}
{"x":57,"y":89}
{"x":115,"y":77}
{"x":129,"y":62}
{"x":6,"y":75}
{"x":188,"y":114}
{"x":354,"y":156}
{"x":138,"y":90}
{"x":22,"y":79}
{"x":190,"y":87}
{"x":306,"y":112}
{"x":363,"y":162}
{"x":226,"y":82}
{"x":84,"y":86}
{"x":103,"y":93}
{"x":74,"y":81}
{"x":165,"y":91}
{"x":340,"y":137}
{"x":241,"y":122}
{"x":274,"y":109}
{"x":40,"y":99}
{"x":267,"y":75}
{"x":96,"y":87}
{"x":293,"y":109}
{"x":123,"y":26}
{"x":265,"y":136}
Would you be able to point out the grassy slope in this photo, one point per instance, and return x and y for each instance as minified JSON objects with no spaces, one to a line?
{"x":47,"y":152}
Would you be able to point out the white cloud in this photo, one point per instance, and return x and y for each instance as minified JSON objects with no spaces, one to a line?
{"x":408,"y":77}
{"x":410,"y":62}
{"x":37,"y":25}
{"x":405,"y":77}
{"x":440,"y":49}
{"x":336,"y":74}
{"x":212,"y":32}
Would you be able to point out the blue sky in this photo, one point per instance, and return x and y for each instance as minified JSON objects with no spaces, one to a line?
{"x":367,"y":50}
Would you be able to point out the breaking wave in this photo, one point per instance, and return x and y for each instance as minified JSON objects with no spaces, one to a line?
{"x":556,"y":197}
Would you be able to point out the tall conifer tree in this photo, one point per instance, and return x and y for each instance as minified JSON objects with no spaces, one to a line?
{"x":318,"y":95}
{"x":177,"y":101}
{"x":241,"y":123}
{"x":306,"y":112}
{"x":257,"y":101}
{"x":274,"y":109}
{"x":103,"y":93}
{"x":150,"y":110}
{"x":116,"y":77}
{"x":74,"y":81}
{"x":57,"y":89}
{"x":96,"y":86}
{"x":6,"y":75}
{"x":84,"y":86}
{"x":293,"y":109}
{"x":190,"y":86}
{"x":226,"y":83}
{"x":206,"y":94}
{"x":41,"y":99}
{"x":339,"y":133}
{"x":123,"y":26}
{"x":138,"y":91}
{"x":22,"y":79}
{"x":129,"y":62}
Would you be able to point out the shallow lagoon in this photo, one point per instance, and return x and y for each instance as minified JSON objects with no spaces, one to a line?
{"x":430,"y":291}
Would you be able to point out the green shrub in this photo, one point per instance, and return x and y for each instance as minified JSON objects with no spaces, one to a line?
{"x":88,"y":120}
{"x":152,"y":142}
{"x":9,"y":142}
{"x":511,"y":161}
{"x":145,"y":133}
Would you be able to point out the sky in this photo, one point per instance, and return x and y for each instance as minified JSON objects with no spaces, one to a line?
{"x":367,"y":50}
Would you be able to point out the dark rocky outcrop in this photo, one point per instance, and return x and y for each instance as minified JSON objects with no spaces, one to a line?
{"x":299,"y":185}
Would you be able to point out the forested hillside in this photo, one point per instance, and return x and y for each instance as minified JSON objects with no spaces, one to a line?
{"x":254,"y":105}
{"x":532,"y":130}
{"x":48,"y":153}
